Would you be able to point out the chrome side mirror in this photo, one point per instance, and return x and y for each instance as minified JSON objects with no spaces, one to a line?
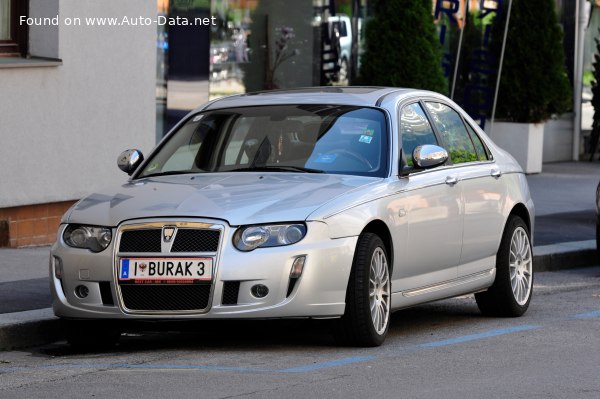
{"x":428,"y":156}
{"x":129,"y":160}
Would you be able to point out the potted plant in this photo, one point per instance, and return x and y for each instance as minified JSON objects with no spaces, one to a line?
{"x":402,"y":48}
{"x":534,"y":84}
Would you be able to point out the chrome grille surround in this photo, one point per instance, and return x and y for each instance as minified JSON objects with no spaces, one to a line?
{"x":166,"y":252}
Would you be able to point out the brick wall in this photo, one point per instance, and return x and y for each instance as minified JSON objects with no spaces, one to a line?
{"x":31,"y":225}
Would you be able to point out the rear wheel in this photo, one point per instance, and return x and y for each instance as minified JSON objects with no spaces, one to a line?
{"x":367,"y":316}
{"x":510,"y":294}
{"x":91,"y":334}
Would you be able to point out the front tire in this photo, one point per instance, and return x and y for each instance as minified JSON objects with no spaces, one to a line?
{"x":510,"y":294}
{"x":368,"y":296}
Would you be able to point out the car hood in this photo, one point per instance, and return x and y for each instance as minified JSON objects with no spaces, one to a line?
{"x":238,"y":198}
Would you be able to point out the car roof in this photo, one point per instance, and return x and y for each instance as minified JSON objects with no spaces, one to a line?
{"x":347,"y":95}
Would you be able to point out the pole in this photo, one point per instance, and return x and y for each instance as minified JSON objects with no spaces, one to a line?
{"x":460,"y":40}
{"x":580,"y":22}
{"x":500,"y":68}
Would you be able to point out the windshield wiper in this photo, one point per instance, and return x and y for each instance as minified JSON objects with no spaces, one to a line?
{"x":279,"y":168}
{"x":169,"y":173}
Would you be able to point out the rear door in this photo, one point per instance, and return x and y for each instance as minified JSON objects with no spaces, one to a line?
{"x":481,"y":186}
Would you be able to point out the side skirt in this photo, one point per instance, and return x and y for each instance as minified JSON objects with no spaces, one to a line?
{"x":460,"y":286}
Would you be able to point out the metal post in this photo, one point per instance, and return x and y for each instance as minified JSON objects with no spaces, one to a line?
{"x":580,"y":22}
{"x":460,"y":40}
{"x":500,"y":68}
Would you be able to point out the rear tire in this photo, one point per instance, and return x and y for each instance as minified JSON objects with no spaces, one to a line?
{"x":368,"y":297}
{"x":91,"y":334}
{"x":510,"y":294}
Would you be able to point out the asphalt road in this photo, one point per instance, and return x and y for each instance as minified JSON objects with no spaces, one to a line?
{"x":440,"y":350}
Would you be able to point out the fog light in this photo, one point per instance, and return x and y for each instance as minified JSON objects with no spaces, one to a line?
{"x":58,"y":269}
{"x":297,"y":267}
{"x":259,"y":290}
{"x":81,"y":291}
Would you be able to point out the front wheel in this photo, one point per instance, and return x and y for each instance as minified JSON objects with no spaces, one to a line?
{"x":510,"y":294}
{"x":367,"y":316}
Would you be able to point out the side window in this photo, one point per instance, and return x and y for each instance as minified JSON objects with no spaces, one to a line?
{"x":454,"y":133}
{"x":482,"y":151}
{"x":343,"y":29}
{"x":415,"y":130}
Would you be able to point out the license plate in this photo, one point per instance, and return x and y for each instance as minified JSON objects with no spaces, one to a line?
{"x":165,"y":270}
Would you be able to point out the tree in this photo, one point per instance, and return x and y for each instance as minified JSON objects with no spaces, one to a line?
{"x":534,"y":84}
{"x":402,"y":48}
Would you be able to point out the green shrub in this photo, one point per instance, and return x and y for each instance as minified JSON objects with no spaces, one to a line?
{"x":534,"y":83}
{"x":402,"y":47}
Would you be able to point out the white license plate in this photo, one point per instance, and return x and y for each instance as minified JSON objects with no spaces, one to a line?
{"x":171,"y":270}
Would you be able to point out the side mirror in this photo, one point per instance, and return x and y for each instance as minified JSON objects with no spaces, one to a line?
{"x":129,"y":160}
{"x":428,"y":156}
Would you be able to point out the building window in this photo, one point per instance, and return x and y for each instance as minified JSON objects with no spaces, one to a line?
{"x":13,"y":35}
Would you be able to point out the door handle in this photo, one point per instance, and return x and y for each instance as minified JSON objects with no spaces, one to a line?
{"x":451,"y":180}
{"x":496,"y":173}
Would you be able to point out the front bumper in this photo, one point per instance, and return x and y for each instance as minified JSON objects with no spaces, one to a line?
{"x":319,"y":292}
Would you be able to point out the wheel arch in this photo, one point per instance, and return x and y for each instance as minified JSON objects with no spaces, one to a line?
{"x":379,"y":228}
{"x":521,"y":211}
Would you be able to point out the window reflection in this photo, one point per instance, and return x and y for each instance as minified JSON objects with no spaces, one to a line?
{"x":415,"y":130}
{"x":454,"y":133}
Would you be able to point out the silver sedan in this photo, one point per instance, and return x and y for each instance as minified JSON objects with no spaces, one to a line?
{"x":342,"y":203}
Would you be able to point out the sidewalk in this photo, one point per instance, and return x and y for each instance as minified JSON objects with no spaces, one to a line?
{"x":564,"y":237}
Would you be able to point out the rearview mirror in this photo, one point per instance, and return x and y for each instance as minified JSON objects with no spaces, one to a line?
{"x":429,"y":156}
{"x":129,"y":160}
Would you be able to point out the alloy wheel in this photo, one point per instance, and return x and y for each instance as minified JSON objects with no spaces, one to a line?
{"x":379,"y":291}
{"x":520,"y":265}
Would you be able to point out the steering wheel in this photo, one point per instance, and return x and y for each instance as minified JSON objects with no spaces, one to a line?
{"x":349,"y":154}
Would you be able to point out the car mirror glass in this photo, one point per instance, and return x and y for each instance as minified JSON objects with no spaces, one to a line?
{"x":429,"y":156}
{"x":129,"y":160}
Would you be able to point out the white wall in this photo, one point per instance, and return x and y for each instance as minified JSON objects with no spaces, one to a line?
{"x":62,"y":128}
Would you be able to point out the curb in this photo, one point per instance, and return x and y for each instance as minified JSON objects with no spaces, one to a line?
{"x":567,"y":255}
{"x":30,"y":328}
{"x":39,"y":327}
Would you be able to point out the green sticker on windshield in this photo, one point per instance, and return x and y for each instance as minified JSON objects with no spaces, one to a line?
{"x":365,"y":139}
{"x":369,"y":132}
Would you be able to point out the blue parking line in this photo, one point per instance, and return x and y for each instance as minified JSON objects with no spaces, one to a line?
{"x":587,"y":315}
{"x":473,"y":337}
{"x":326,"y":365}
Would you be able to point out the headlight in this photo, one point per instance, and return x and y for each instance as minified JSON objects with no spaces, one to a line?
{"x":94,"y":238}
{"x":248,"y":238}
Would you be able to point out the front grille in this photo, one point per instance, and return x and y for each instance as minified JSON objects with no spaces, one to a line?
{"x":166,"y":297}
{"x":195,"y":240}
{"x":144,"y":240}
{"x":230,"y":292}
{"x":186,"y":240}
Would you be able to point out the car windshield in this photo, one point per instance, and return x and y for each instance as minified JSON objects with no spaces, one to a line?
{"x":283,"y":138}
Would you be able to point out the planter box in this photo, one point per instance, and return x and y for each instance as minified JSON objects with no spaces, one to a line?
{"x":524,"y":141}
{"x":558,"y":139}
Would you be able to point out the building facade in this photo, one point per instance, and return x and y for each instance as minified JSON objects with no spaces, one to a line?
{"x":73,"y":97}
